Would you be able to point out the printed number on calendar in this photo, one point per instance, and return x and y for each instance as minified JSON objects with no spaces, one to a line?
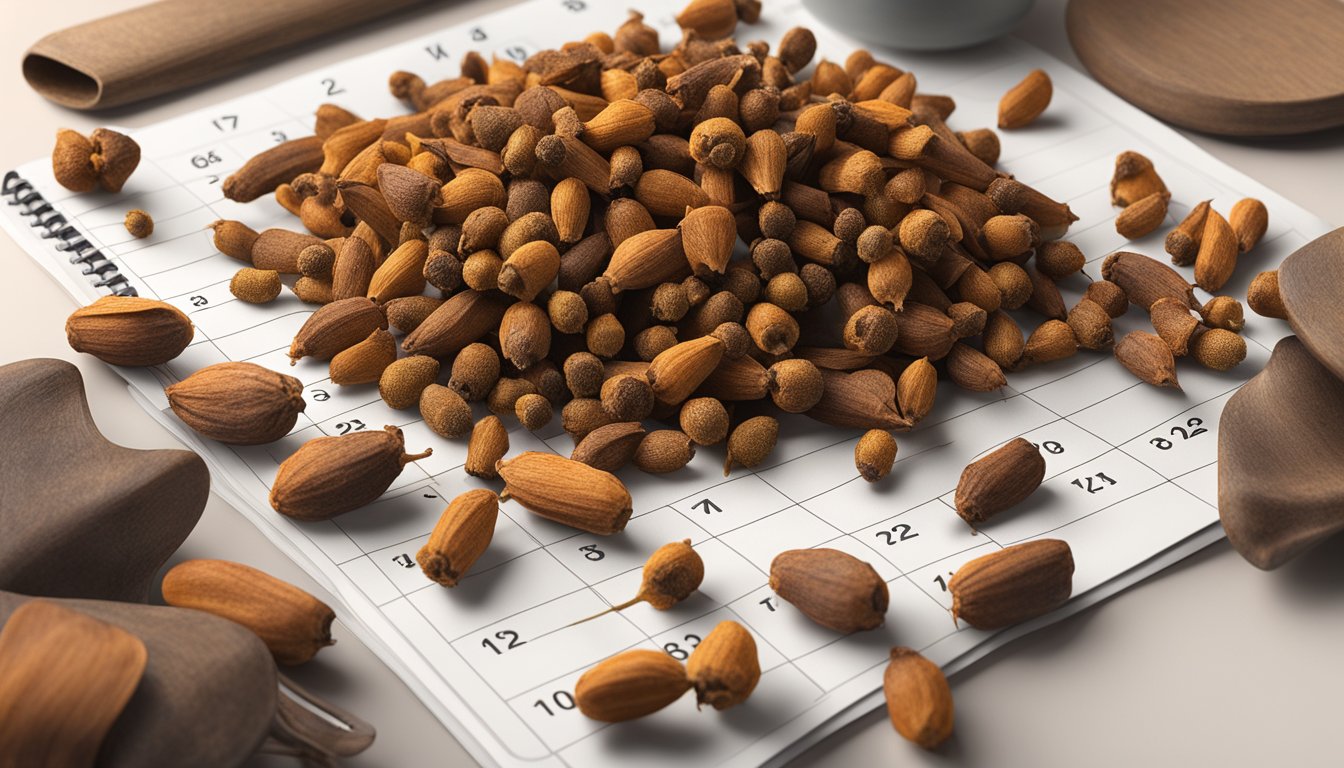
{"x":707,"y":506}
{"x":942,"y":582}
{"x":505,"y":640}
{"x":1094,"y":483}
{"x":677,"y":652}
{"x":206,"y":160}
{"x":1191,"y":429}
{"x":560,"y":700}
{"x":897,"y":532}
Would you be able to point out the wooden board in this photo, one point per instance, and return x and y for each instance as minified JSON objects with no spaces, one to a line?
{"x":1226,"y":67}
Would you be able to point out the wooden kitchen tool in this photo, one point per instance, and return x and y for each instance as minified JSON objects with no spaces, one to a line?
{"x":1226,"y":67}
{"x":1311,"y":282}
{"x":64,"y":680}
{"x":161,"y":47}
{"x":81,"y":516}
{"x":1280,"y":442}
{"x":209,"y":694}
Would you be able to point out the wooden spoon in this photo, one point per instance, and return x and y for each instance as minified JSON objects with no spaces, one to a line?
{"x":64,"y":680}
{"x":1311,"y":282}
{"x":1280,"y":449}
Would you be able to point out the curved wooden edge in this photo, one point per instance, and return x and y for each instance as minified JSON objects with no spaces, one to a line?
{"x":1174,"y":101}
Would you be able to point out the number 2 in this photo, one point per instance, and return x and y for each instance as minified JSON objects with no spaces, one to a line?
{"x":332,"y":88}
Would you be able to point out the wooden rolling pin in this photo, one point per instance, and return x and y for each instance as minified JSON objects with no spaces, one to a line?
{"x":172,"y":44}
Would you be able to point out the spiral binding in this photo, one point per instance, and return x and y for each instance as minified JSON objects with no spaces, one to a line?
{"x":53,"y":225}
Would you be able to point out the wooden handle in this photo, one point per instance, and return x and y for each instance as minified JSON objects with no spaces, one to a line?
{"x":171,"y":44}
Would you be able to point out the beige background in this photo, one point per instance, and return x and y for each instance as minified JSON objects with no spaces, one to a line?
{"x":1212,"y":662}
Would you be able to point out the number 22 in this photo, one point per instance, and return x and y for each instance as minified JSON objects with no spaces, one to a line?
{"x":898,"y":532}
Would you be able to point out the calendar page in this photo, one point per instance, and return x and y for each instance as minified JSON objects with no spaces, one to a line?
{"x":1131,"y":481}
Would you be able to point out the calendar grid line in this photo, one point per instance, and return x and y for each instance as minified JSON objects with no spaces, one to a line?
{"x":139,"y":244}
{"x":1083,"y":516}
{"x":856,"y":477}
{"x":735,"y":551}
{"x":903,"y":574}
{"x":974,"y":531}
{"x":1136,"y":383}
{"x":1008,"y":161}
{"x":271,"y":352}
{"x":479,"y":676}
{"x":257,"y":477}
{"x":1099,"y":361}
{"x":178,"y":266}
{"x":120,"y":202}
{"x":568,"y":672}
{"x":1092,"y":158}
{"x":196,"y":290}
{"x":1076,"y":234}
{"x":790,"y":662}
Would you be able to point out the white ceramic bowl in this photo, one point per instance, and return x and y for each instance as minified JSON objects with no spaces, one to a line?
{"x":923,"y":25}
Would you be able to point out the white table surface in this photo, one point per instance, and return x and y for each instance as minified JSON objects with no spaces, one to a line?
{"x":1211,"y":662}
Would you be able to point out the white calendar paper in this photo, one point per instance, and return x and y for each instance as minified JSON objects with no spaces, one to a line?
{"x":1130,"y":483}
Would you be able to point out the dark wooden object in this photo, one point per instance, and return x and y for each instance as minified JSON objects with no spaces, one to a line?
{"x":1311,"y":281}
{"x":210,"y":694}
{"x":1226,"y":67}
{"x":64,"y":681}
{"x":79,"y":515}
{"x":1280,"y":452}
